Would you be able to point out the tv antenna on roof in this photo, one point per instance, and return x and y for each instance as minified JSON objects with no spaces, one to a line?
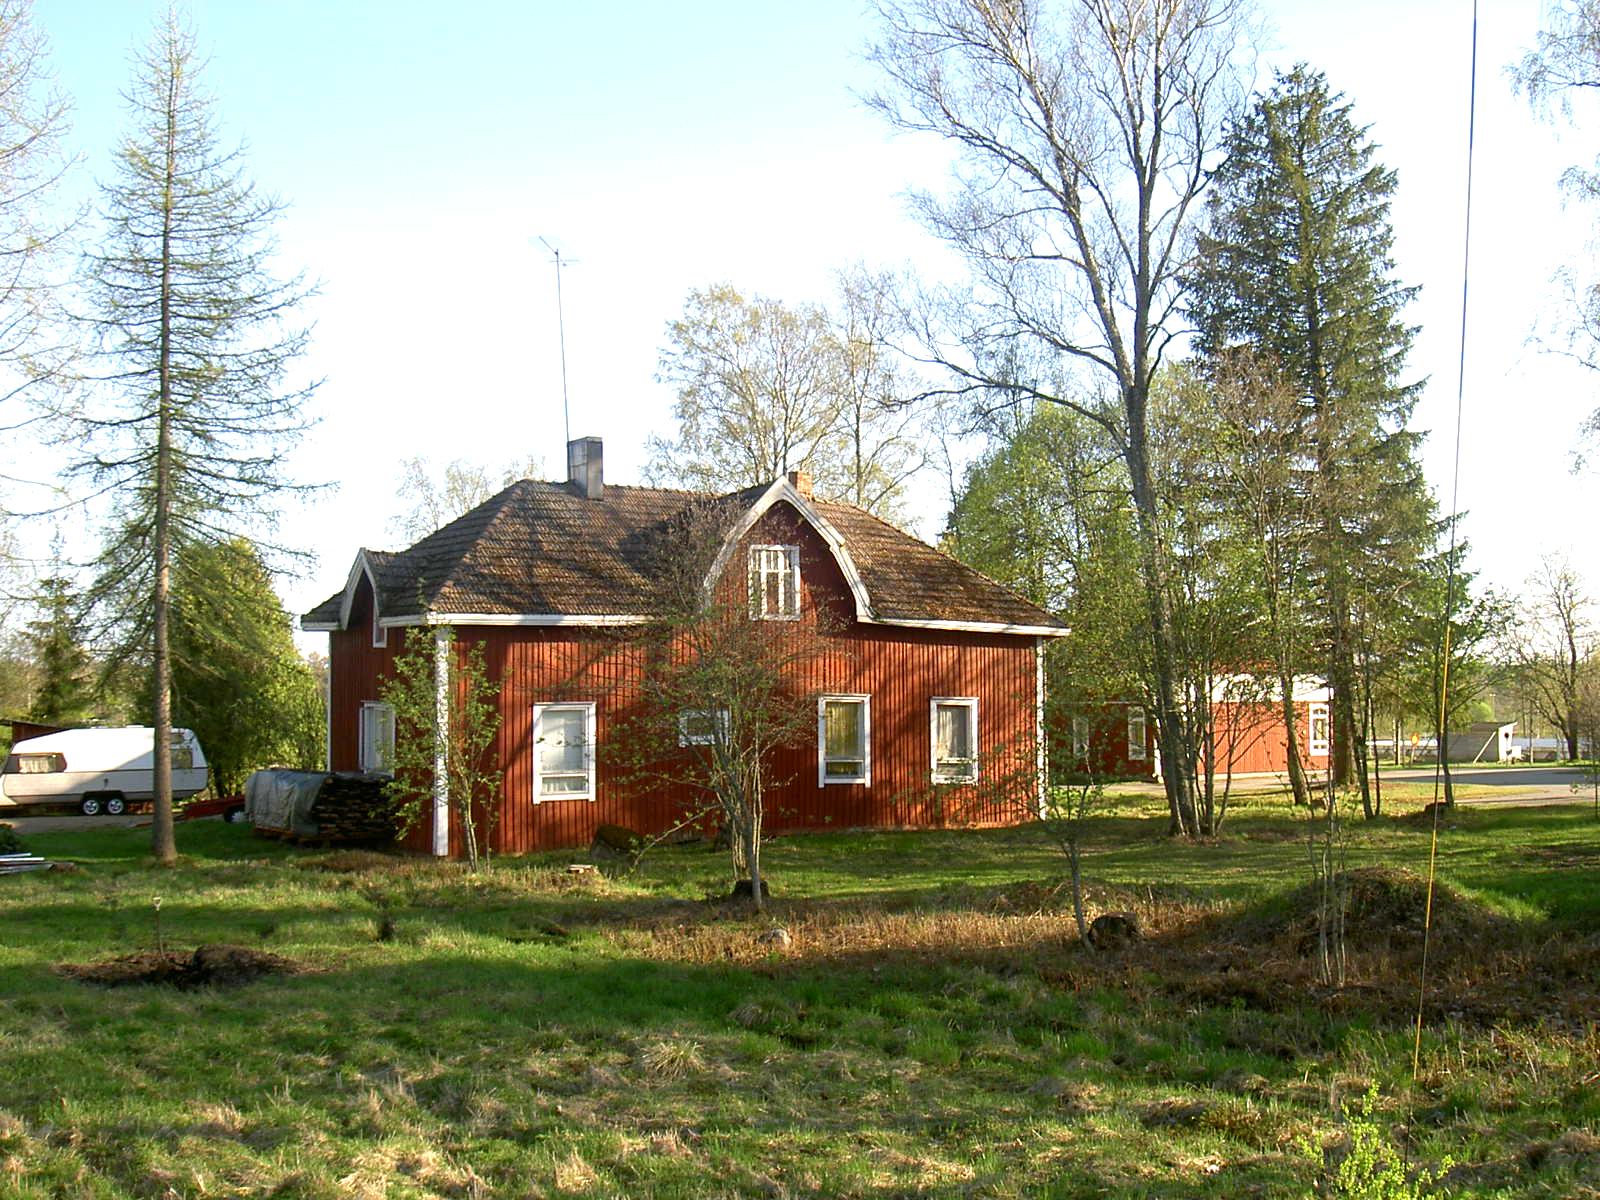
{"x":561,"y":333}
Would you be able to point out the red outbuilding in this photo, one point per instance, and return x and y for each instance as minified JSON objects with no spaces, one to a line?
{"x":928,"y":683}
{"x":1117,"y":740}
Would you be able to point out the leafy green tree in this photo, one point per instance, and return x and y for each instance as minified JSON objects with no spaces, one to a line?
{"x":1044,"y":512}
{"x":1295,"y":265}
{"x":1265,"y":506}
{"x":195,"y":416}
{"x":238,"y":680}
{"x":65,"y":695}
{"x":464,"y":743}
{"x":1450,"y":670}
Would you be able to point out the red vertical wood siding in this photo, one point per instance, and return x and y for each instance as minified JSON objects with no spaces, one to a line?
{"x":902,"y":670}
{"x":1108,"y":756}
{"x":1251,"y":741}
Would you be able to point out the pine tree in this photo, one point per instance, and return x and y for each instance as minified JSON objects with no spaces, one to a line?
{"x":1296,"y":267}
{"x":196,"y":332}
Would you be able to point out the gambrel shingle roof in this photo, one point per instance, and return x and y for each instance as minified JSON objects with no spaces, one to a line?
{"x":542,"y":552}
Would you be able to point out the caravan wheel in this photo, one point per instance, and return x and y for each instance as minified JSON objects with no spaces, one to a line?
{"x":90,"y":806}
{"x":115,"y":805}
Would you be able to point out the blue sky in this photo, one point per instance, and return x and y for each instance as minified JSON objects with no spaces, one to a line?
{"x":424,"y":148}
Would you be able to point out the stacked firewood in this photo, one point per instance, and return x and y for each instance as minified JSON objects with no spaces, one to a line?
{"x":352,"y":810}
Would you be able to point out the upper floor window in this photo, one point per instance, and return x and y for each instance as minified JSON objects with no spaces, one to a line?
{"x":377,"y":737}
{"x":954,"y":722}
{"x":775,"y":582}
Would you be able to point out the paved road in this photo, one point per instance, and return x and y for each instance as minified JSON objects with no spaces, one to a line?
{"x":1512,"y":785}
{"x":1531,"y":786}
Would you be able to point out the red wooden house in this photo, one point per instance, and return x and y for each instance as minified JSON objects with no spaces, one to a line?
{"x":1117,"y":740}
{"x":928,"y":687}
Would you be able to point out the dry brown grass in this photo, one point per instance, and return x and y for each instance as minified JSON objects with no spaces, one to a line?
{"x":1483,"y":968}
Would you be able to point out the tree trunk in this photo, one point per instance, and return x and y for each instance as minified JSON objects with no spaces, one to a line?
{"x":1291,"y":743}
{"x":1169,"y":729}
{"x":752,"y":851}
{"x":163,"y":841}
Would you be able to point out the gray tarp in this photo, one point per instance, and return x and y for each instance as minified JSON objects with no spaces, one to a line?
{"x":282,"y":800}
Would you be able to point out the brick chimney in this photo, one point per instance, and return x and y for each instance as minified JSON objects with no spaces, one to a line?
{"x":801,"y":481}
{"x":584,"y":467}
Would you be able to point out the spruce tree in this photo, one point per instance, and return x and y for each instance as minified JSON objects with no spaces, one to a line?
{"x":65,"y":695}
{"x":195,"y":416}
{"x":1295,"y":266}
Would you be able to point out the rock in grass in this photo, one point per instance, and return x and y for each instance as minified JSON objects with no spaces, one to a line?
{"x":778,"y":938}
{"x":1112,"y":931}
{"x":614,"y":841}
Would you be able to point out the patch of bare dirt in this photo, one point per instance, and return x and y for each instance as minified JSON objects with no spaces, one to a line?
{"x":207,"y":966}
{"x":356,"y":862}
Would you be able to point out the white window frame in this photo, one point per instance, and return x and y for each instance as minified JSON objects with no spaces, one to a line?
{"x":719,"y":715}
{"x":1138,"y":734}
{"x":789,"y":586}
{"x":375,"y":738}
{"x":1314,"y":745}
{"x":824,"y":778}
{"x":969,"y":774}
{"x":380,"y":633}
{"x":588,"y":793}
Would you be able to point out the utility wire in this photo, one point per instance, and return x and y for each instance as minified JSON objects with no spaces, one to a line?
{"x":1441,"y":732}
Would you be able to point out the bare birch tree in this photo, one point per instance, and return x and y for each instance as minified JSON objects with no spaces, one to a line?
{"x":1552,"y":648}
{"x":765,"y":388}
{"x":1086,"y":131}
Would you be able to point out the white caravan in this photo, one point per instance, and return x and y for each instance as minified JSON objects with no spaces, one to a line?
{"x":99,"y":770}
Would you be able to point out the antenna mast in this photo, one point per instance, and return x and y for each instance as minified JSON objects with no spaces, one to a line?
{"x":561,"y":333}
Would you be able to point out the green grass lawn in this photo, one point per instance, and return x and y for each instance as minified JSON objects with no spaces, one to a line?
{"x":935,"y":1029}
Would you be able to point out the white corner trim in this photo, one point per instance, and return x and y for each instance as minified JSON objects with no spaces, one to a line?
{"x":1041,"y":759}
{"x":782,"y":489}
{"x":441,"y":754}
